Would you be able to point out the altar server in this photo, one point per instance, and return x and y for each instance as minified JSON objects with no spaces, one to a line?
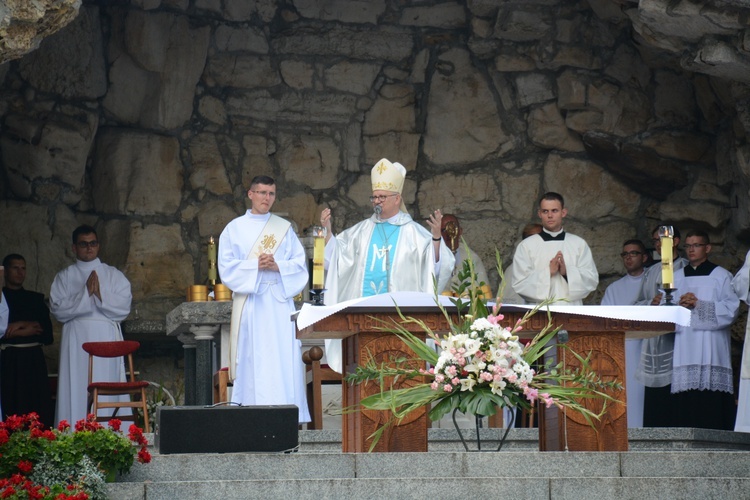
{"x":624,"y":292}
{"x":90,"y":299}
{"x":702,"y":382}
{"x":553,"y":264}
{"x":741,"y":286}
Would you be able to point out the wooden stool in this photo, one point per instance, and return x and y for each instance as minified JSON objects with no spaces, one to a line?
{"x":221,"y":382}
{"x":316,"y":376}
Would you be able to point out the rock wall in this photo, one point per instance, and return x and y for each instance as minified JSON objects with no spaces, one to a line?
{"x":148,"y":118}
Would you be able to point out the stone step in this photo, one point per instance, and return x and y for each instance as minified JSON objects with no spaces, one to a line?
{"x":497,"y":486}
{"x":262,"y":466}
{"x":645,"y":439}
{"x":681,"y":463}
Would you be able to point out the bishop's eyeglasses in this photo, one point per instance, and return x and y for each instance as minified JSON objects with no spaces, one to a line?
{"x":381,"y":197}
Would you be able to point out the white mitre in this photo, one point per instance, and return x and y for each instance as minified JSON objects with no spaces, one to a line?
{"x":387,"y":176}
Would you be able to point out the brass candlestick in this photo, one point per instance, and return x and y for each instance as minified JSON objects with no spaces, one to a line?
{"x":212,"y":270}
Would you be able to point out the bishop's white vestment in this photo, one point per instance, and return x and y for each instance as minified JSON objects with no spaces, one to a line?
{"x":624,"y":292}
{"x":399,"y":248}
{"x":270,"y":370}
{"x":531,"y":270}
{"x":86,"y":318}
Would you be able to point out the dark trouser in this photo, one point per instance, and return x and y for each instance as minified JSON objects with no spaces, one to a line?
{"x":658,"y":407}
{"x":24,"y":385}
{"x":704,"y":409}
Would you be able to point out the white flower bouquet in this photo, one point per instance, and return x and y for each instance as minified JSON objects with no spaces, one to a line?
{"x":481,"y":366}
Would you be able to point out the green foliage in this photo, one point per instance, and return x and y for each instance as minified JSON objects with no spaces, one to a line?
{"x":60,"y":459}
{"x":558,"y":384}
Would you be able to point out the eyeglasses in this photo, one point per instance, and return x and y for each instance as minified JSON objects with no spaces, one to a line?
{"x":630,"y":254}
{"x":263,"y":194}
{"x":87,"y":244}
{"x":381,"y":197}
{"x":695,"y":245}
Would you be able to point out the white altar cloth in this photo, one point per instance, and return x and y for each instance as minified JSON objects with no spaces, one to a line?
{"x":310,"y":314}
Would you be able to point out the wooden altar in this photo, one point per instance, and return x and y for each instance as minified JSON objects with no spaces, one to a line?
{"x":362,"y":341}
{"x":603,"y":337}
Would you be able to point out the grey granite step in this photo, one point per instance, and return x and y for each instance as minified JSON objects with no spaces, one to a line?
{"x":443,"y":488}
{"x":662,"y":463}
{"x":261,"y":466}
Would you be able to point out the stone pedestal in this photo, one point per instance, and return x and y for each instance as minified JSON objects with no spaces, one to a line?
{"x":196,"y":325}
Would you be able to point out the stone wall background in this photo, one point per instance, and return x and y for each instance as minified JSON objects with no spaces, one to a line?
{"x":147,"y":119}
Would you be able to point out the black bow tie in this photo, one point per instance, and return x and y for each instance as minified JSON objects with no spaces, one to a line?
{"x":548,"y":237}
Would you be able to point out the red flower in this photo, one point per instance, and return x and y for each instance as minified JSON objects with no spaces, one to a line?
{"x":14,"y":422}
{"x":88,"y":424}
{"x":136,"y":435}
{"x":63,"y":426}
{"x":25,"y":466}
{"x":144,"y":456}
{"x":114,"y":424}
{"x":4,"y":436}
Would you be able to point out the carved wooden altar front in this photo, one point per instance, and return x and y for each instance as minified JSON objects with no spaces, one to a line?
{"x":363,"y":341}
{"x":604,"y":339}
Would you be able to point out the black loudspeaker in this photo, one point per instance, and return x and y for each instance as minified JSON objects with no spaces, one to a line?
{"x":226,"y":429}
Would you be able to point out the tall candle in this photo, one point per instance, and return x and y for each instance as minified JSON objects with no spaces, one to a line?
{"x":212,"y":260}
{"x":319,"y":248}
{"x":666,"y":235}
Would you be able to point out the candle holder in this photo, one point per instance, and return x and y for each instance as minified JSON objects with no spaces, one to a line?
{"x":316,"y":297}
{"x":318,"y":272}
{"x":212,"y":270}
{"x":668,"y":289}
{"x":666,"y":238}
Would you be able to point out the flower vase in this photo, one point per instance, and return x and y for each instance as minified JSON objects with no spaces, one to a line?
{"x":477,"y":423}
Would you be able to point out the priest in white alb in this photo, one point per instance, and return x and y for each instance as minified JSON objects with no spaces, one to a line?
{"x":263,"y":262}
{"x":387,"y":252}
{"x":90,"y":299}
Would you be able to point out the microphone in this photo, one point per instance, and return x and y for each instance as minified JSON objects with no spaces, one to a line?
{"x":377,"y":209}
